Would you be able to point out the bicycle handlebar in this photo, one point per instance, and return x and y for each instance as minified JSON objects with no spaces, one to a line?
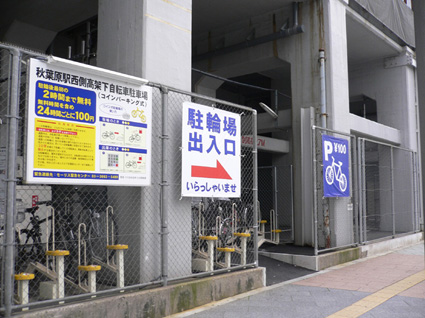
{"x":49,"y":202}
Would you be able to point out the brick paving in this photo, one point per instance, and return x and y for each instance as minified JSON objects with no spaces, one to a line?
{"x":329,"y":292}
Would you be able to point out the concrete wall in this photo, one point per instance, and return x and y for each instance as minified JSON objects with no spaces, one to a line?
{"x":160,"y":302}
{"x":394,"y":91}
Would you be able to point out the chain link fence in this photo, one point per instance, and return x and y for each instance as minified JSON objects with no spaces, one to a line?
{"x":389,"y":191}
{"x":275,"y":195}
{"x":383,"y":199}
{"x":65,"y":242}
{"x":335,"y":218}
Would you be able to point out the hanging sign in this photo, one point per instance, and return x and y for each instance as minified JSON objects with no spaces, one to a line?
{"x":211,"y":152}
{"x":87,"y":126}
{"x":335,"y":167}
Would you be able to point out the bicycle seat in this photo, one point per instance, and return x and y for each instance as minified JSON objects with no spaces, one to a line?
{"x":340,"y":163}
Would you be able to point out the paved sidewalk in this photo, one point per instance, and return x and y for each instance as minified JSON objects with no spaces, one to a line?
{"x":392,"y":285}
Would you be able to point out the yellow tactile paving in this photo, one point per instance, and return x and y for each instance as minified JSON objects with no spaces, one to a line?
{"x":368,"y":303}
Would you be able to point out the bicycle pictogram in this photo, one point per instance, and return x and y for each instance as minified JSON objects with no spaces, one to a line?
{"x":334,"y":172}
{"x":108,"y":134}
{"x":131,"y":164}
{"x":139,"y":113}
{"x":134,"y":137}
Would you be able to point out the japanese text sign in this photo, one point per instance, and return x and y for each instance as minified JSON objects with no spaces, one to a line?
{"x":211,"y":149}
{"x":336,"y":170}
{"x":86,"y":128}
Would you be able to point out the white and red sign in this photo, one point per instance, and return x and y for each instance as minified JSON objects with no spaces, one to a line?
{"x":211,"y":152}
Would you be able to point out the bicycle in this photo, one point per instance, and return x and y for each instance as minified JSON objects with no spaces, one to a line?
{"x":31,"y":248}
{"x":334,"y":172}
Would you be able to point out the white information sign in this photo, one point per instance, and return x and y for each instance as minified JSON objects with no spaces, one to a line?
{"x":211,"y":152}
{"x":87,"y":126}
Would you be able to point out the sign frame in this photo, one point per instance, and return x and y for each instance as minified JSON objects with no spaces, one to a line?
{"x":211,"y":152}
{"x":80,"y":123}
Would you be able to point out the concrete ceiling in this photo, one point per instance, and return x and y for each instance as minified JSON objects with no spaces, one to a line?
{"x":57,"y":15}
{"x":364,"y":45}
{"x":52,"y":15}
{"x":208,"y":15}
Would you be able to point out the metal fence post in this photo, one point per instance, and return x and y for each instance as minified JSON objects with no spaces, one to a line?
{"x":360,"y":189}
{"x":255,"y":185}
{"x":315,"y":199}
{"x":392,"y":189}
{"x":355,"y":195}
{"x":413,"y":193}
{"x":164,"y":187}
{"x":11,"y":183}
{"x":364,"y":207}
{"x":292,"y":204}
{"x":275,"y":194}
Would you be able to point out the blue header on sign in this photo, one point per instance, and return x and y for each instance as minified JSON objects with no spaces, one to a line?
{"x":65,"y":102}
{"x":336,"y":170}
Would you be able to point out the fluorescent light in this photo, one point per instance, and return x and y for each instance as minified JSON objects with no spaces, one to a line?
{"x":270,"y":111}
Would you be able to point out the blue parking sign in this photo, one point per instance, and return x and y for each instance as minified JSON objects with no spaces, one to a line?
{"x":336,"y":170}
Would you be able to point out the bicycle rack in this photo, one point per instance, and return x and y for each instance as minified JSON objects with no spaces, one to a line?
{"x":23,"y":287}
{"x":90,"y":269}
{"x":210,"y":258}
{"x":227,"y":250}
{"x":242,"y":250}
{"x":204,"y":260}
{"x":118,"y":248}
{"x":274,"y":232}
{"x":56,"y":287}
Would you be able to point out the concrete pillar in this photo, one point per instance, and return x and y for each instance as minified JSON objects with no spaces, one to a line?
{"x":338,"y":108}
{"x":151,"y":39}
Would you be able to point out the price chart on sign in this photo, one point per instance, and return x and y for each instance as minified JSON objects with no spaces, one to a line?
{"x":211,"y":152}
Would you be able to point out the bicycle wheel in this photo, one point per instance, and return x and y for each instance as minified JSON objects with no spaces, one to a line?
{"x":343,"y":183}
{"x":329,"y":175}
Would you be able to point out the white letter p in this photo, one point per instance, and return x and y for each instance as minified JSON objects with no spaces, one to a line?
{"x":328,"y":149}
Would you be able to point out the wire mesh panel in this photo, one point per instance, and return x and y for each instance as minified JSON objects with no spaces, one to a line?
{"x":74,"y":239}
{"x":275,"y":196}
{"x":389,"y":190}
{"x":335,"y":214}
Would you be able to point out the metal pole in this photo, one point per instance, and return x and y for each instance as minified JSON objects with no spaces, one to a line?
{"x":323,"y":108}
{"x":11,"y":183}
{"x":275,"y":194}
{"x":164,"y":187}
{"x":360,"y":191}
{"x":356,"y":182}
{"x":392,"y":190}
{"x":315,"y":201}
{"x":292,"y":205}
{"x":276,"y":101}
{"x":364,"y":215}
{"x":255,"y":185}
{"x":413,"y":193}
